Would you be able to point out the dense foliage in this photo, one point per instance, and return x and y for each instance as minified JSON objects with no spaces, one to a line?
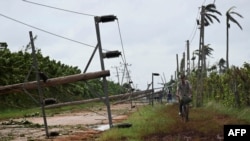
{"x":229,"y":87}
{"x":17,"y":67}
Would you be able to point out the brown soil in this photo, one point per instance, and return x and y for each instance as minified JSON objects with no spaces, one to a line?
{"x":70,"y":126}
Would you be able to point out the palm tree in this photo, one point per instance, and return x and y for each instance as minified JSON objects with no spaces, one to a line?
{"x":207,"y":17}
{"x":212,"y":68}
{"x":207,"y":51}
{"x":221,"y":65}
{"x":229,"y":18}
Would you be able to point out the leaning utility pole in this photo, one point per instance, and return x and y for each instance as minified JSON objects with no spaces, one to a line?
{"x":117,"y":74}
{"x":183,"y":63}
{"x":105,"y":83}
{"x":41,"y":96}
{"x":201,"y":61}
{"x":188,"y":59}
{"x":201,"y":42}
{"x":109,"y":54}
{"x":177,"y":69}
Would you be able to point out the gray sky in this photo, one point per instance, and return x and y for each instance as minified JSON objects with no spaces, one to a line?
{"x":152,"y":31}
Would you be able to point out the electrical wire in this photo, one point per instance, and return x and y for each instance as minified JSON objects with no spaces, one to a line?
{"x":124,"y":57}
{"x":191,"y":37}
{"x":48,"y":32}
{"x":70,"y":11}
{"x":121,"y":41}
{"x":193,"y":33}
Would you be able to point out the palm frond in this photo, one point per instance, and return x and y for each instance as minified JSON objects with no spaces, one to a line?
{"x":210,"y":6}
{"x":231,"y":8}
{"x":233,"y":20}
{"x":214,"y":11}
{"x":209,"y":18}
{"x":230,"y":18}
{"x":206,"y":22}
{"x":236,"y":14}
{"x":211,"y":15}
{"x":208,"y":50}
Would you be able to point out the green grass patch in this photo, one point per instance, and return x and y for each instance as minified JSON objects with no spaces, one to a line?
{"x":146,"y":121}
{"x":238,"y":113}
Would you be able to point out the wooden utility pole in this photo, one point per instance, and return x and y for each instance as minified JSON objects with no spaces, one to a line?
{"x":52,"y":82}
{"x":183,"y":63}
{"x":188,"y":59}
{"x":117,"y":74}
{"x":124,"y":96}
{"x":177,"y":69}
{"x":201,"y":62}
{"x":38,"y":84}
{"x":201,"y":42}
{"x":193,"y":58}
{"x":175,"y":76}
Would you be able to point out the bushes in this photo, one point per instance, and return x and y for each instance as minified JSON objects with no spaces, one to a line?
{"x":230,"y":88}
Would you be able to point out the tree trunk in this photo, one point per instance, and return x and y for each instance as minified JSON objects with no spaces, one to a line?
{"x":52,"y":82}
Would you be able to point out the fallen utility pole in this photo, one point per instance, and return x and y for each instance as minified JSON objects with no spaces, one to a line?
{"x":52,"y":82}
{"x":146,"y":92}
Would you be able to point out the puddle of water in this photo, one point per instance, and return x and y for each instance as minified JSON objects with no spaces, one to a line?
{"x":102,"y":127}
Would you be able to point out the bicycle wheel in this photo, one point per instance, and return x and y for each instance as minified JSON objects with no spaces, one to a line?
{"x":183,"y":113}
{"x":187,"y":113}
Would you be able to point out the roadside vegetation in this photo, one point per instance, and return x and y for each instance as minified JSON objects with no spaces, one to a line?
{"x":162,"y":122}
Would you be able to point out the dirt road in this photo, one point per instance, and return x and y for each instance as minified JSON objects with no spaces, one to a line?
{"x":70,"y":126}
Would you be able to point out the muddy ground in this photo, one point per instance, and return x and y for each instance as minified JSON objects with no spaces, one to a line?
{"x":80,"y":125}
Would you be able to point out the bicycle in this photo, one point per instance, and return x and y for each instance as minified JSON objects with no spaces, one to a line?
{"x":185,"y":112}
{"x":185,"y":108}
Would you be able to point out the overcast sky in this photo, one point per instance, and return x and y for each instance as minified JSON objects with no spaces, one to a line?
{"x":152,"y":33}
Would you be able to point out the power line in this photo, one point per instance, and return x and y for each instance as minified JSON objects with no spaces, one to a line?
{"x":121,"y":41}
{"x":59,"y":8}
{"x":193,"y":33}
{"x":124,"y":58}
{"x":46,"y":31}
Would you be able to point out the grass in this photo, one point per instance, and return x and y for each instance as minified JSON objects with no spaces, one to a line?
{"x":241,"y":113}
{"x":162,"y":122}
{"x":145,"y":121}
